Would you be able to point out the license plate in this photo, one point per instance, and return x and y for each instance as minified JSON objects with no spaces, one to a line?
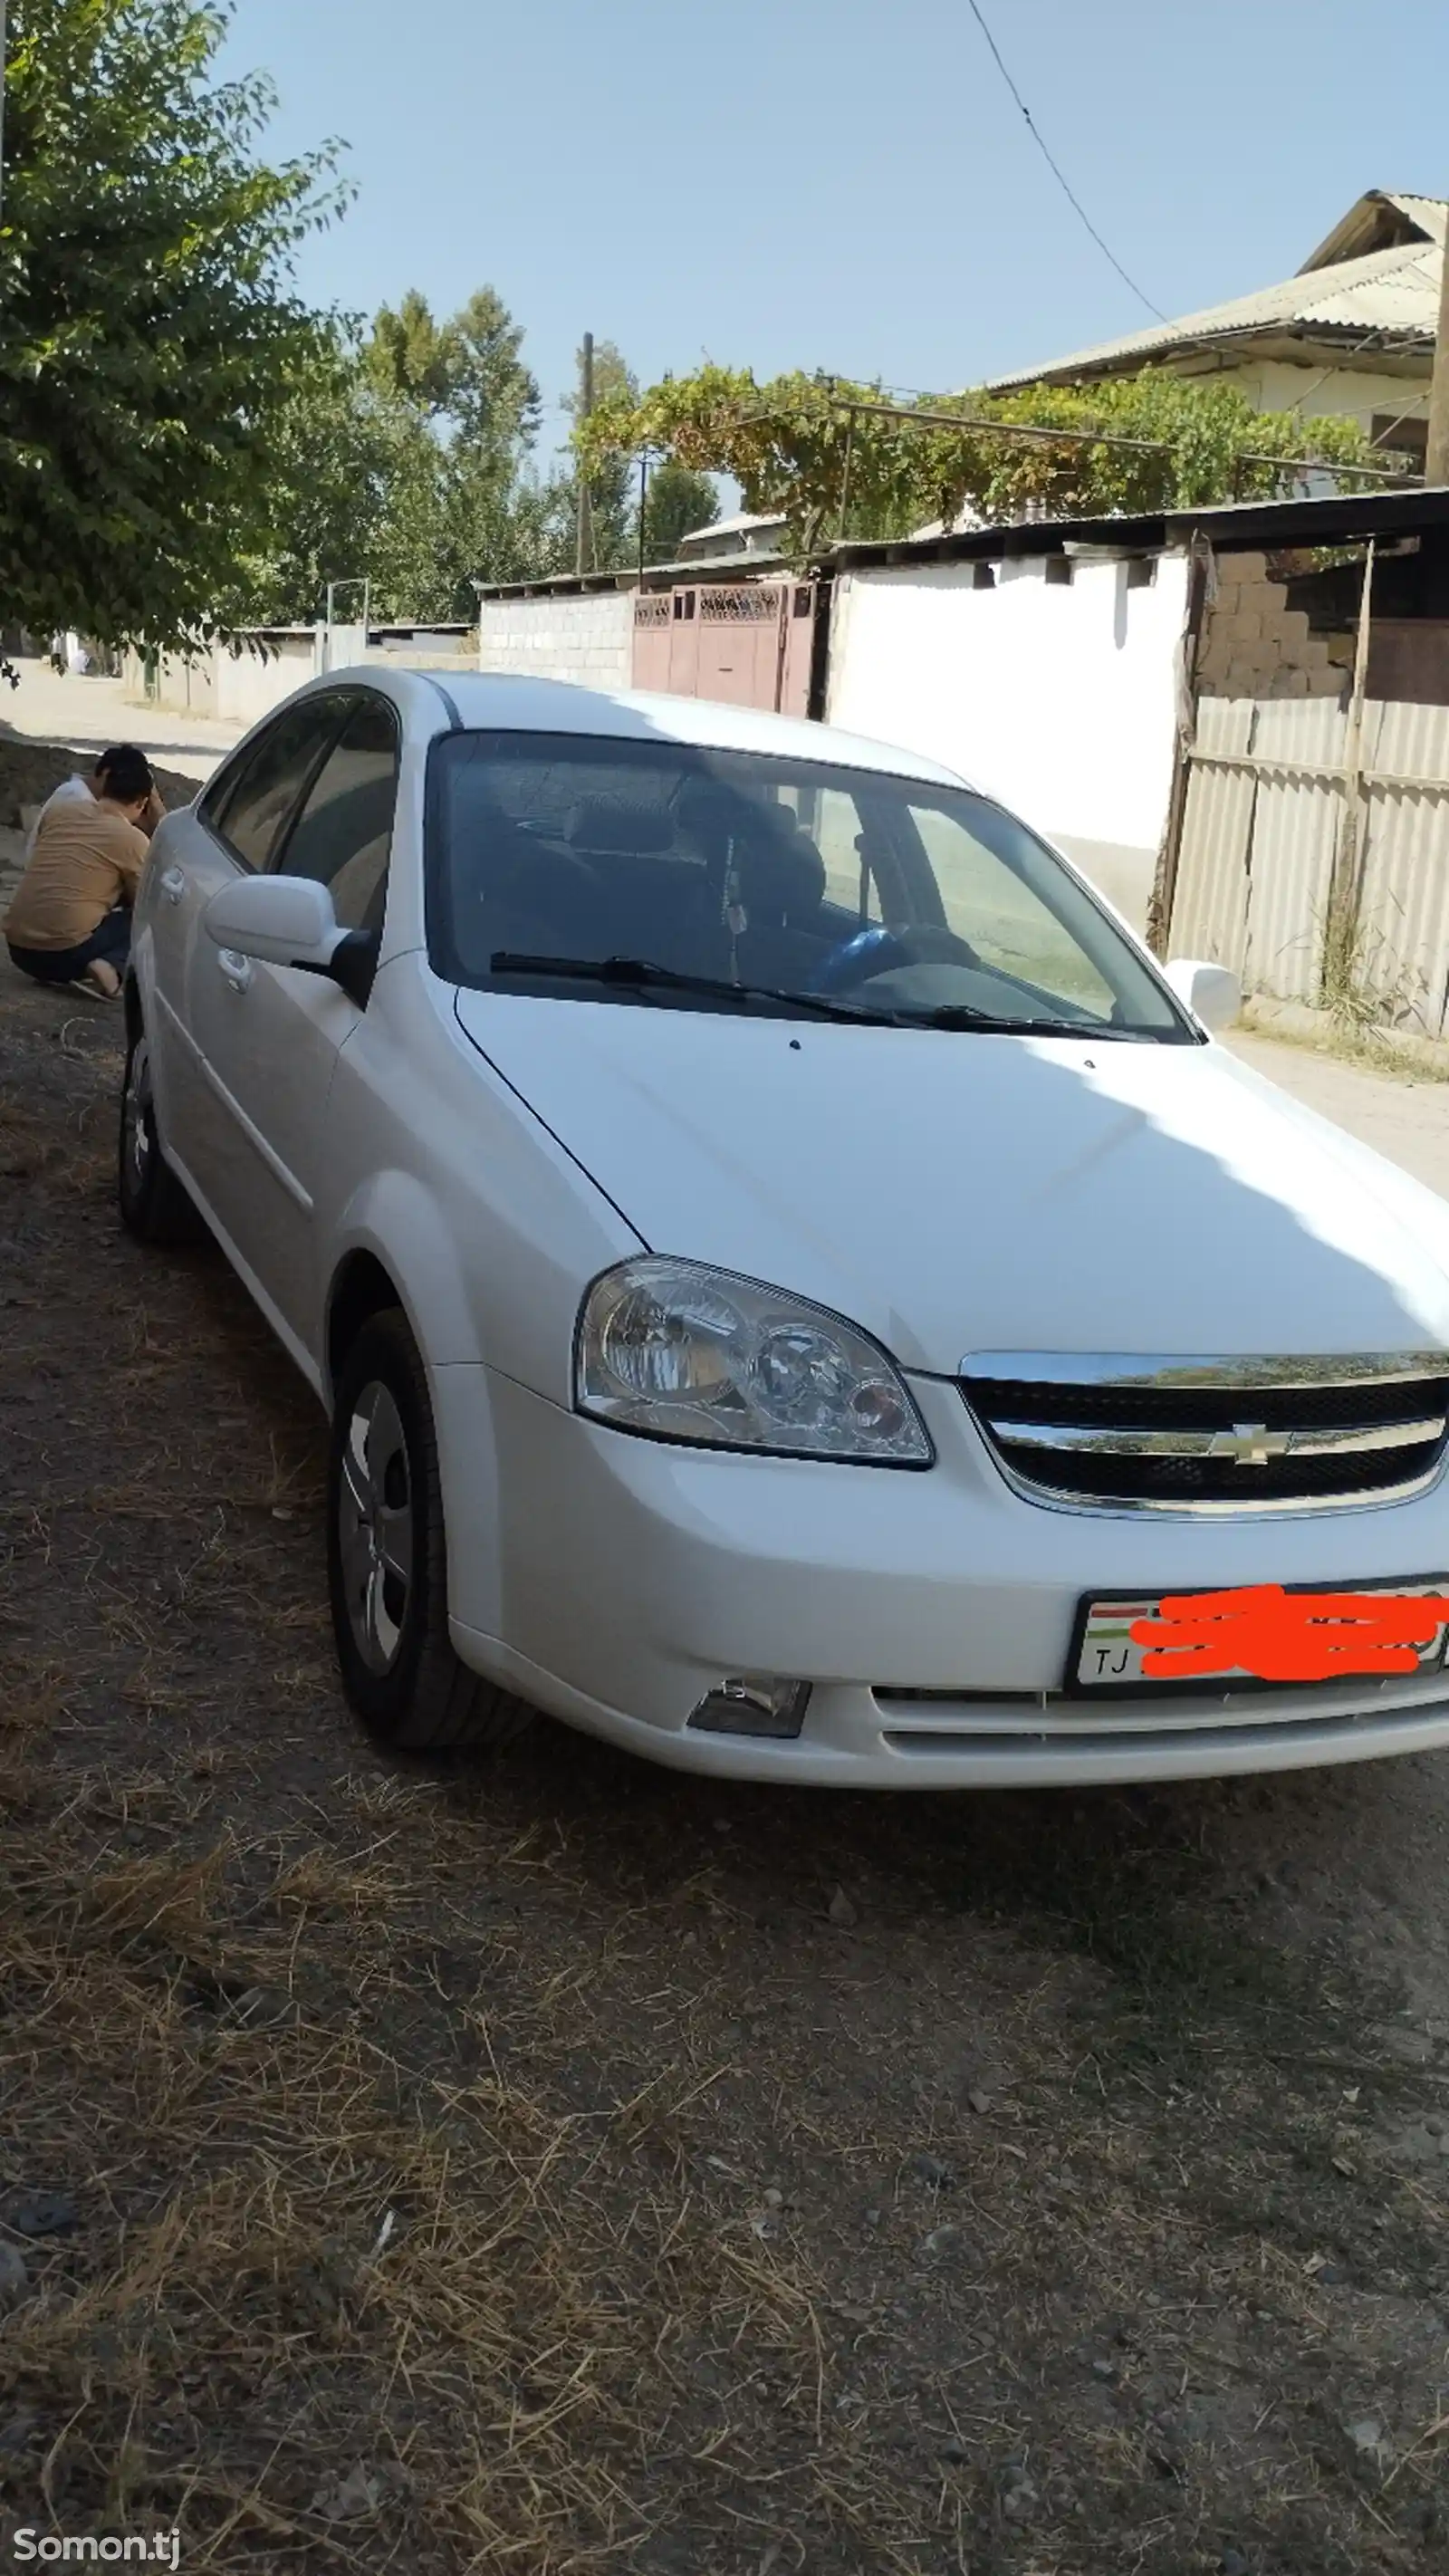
{"x":1108,"y":1658}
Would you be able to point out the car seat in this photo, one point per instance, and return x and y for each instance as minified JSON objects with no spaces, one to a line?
{"x":781,"y":877}
{"x":656,"y":895}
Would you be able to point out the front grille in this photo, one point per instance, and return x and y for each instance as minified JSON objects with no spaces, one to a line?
{"x":1204,"y":1435}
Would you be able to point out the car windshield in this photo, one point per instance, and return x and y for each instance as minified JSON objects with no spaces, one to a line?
{"x":573,"y":864}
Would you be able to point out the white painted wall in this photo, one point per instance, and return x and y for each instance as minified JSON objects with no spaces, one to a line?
{"x":240,"y":687}
{"x":588,"y":638}
{"x":247,"y":686}
{"x":184,"y":688}
{"x":1279,"y":384}
{"x":1057,"y":698}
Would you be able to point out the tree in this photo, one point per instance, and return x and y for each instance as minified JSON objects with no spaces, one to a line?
{"x":494,"y":412}
{"x":333,"y":485}
{"x":676,"y":502}
{"x":461,"y":413}
{"x":814,"y":449}
{"x":150,"y":334}
{"x":409,"y":357}
{"x":493,"y":397}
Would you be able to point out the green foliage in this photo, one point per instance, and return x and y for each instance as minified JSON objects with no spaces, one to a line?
{"x":404,"y":359}
{"x":469,"y":371}
{"x":676,"y":502}
{"x":493,"y":397}
{"x":796,"y":445}
{"x":184,"y":446}
{"x":406,"y":458}
{"x":332,"y":471}
{"x":408,"y":358}
{"x":150,"y":339}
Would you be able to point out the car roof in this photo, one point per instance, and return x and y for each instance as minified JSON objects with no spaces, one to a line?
{"x":505,"y":702}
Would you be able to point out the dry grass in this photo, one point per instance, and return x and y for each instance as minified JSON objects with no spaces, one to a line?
{"x":520,"y":2172}
{"x":1352,"y":1041}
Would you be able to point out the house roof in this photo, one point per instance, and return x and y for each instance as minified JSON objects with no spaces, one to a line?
{"x":1328,"y":520}
{"x":1371,"y":290}
{"x":745,"y":524}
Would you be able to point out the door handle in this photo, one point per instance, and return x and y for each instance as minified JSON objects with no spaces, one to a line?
{"x":236,"y":971}
{"x":173,"y":884}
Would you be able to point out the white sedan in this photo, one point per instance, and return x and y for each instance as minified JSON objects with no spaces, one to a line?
{"x":795,"y":1286}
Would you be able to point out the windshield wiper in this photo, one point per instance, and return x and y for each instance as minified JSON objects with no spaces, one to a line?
{"x":961,"y":1015}
{"x":643,"y":971}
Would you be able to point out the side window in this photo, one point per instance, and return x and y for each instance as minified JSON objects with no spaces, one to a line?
{"x":250,"y":807}
{"x":990,"y":904}
{"x":343,"y":835}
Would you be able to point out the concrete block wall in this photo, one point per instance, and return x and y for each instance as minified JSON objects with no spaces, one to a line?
{"x":588,"y":639}
{"x":1255,"y":646}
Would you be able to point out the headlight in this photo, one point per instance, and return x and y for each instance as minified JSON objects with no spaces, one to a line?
{"x":688,"y":1353}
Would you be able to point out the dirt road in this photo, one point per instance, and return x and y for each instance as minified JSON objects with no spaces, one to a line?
{"x":1407,"y":1120}
{"x":562,"y":2166}
{"x":87,"y":713}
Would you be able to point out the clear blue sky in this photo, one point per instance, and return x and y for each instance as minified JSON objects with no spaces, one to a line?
{"x":840,"y":183}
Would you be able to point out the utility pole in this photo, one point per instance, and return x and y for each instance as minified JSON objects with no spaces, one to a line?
{"x":1436,"y":461}
{"x":584,"y":552}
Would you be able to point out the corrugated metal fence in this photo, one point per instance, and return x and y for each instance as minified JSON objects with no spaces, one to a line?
{"x":1269,"y":799}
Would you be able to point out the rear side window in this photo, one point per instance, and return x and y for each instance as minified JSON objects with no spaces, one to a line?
{"x":252,"y":806}
{"x":343,"y":834}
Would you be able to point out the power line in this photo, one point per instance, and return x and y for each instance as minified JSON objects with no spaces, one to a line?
{"x":1057,"y":172}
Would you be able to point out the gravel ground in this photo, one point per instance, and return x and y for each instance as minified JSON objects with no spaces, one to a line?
{"x":561,"y":2166}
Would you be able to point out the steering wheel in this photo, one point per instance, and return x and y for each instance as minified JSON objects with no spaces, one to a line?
{"x":880,"y":951}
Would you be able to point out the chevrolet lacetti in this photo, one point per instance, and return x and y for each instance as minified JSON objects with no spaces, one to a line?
{"x":793,"y":1282}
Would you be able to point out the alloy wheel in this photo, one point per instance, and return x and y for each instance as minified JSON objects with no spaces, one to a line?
{"x":375,"y":1526}
{"x":137,"y":1144}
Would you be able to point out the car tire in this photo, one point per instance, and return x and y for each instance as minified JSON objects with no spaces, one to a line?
{"x":155,"y":1205}
{"x":387,"y":1560}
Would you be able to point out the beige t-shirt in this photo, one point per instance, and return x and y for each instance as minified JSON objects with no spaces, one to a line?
{"x":87,"y":858}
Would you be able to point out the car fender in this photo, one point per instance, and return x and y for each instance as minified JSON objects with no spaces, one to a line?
{"x":395,"y":1220}
{"x":146,"y":1010}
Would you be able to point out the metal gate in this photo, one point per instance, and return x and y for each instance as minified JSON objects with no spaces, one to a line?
{"x":748,"y":643}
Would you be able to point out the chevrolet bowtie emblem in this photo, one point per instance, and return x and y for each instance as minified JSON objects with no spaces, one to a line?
{"x":1249,"y":1444}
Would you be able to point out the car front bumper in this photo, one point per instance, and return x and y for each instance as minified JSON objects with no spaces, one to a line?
{"x":615,"y":1581}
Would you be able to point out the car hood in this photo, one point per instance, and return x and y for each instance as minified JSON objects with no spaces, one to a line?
{"x":957,"y":1193}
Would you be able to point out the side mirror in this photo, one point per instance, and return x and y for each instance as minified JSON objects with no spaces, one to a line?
{"x":283,"y":921}
{"x":1213,"y":994}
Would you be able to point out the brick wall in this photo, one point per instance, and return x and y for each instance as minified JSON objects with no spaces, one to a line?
{"x":1255,"y":646}
{"x":588,"y":639}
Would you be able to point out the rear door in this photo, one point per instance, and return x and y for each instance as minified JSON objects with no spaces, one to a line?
{"x":270,"y":1035}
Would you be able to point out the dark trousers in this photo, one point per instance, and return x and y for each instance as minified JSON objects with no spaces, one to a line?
{"x":111,"y":939}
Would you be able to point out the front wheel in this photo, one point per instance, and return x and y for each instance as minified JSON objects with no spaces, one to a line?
{"x":387,"y":1559}
{"x":154,"y":1204}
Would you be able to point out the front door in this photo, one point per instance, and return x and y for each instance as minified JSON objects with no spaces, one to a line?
{"x":230,"y":832}
{"x":271,"y":1035}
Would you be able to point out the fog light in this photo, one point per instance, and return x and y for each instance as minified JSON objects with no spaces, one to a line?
{"x":753,"y":1704}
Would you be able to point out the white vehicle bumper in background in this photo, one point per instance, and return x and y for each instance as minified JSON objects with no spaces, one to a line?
{"x":932,"y":1612}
